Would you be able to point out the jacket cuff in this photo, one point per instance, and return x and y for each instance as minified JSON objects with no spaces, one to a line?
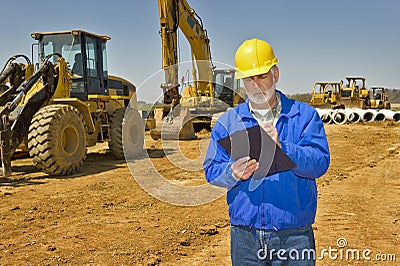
{"x":231,"y":180}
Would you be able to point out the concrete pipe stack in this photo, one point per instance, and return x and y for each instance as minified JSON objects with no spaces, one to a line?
{"x":356,"y":115}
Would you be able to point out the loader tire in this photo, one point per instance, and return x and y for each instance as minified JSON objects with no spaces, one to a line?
{"x":126,"y":134}
{"x":57,"y":139}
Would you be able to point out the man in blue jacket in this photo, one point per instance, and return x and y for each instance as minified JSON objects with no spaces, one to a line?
{"x":270,"y":222}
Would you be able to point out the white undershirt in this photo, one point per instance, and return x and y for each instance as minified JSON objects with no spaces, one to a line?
{"x":270,"y":115}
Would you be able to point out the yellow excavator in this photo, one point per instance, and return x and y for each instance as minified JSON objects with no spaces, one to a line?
{"x":68,"y":104}
{"x":212,"y":91}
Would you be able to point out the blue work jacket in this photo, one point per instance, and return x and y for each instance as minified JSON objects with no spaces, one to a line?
{"x":283,"y":200}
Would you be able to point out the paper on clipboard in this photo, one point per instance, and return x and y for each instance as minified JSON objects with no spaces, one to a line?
{"x":257,"y":144}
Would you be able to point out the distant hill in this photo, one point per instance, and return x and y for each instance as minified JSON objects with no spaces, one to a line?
{"x":302,"y":97}
{"x":142,"y":105}
{"x":394,"y":95}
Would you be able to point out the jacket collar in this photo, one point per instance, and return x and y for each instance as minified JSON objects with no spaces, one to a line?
{"x":289,"y":108}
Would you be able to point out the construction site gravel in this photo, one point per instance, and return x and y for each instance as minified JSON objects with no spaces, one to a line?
{"x":101,"y":216}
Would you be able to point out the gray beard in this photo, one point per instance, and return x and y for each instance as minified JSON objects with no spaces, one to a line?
{"x":266,"y":99}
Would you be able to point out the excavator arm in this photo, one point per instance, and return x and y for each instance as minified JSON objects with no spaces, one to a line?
{"x":181,"y":116}
{"x":174,"y":15}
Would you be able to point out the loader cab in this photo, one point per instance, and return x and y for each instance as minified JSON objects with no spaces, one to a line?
{"x":86,"y":56}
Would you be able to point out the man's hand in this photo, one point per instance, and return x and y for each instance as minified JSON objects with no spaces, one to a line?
{"x":272,"y":132}
{"x":243,"y":168}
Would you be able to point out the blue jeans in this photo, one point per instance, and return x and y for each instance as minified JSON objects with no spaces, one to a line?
{"x":266,"y":247}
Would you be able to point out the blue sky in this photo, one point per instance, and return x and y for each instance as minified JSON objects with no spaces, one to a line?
{"x":313,"y":40}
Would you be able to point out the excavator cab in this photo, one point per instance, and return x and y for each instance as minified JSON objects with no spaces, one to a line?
{"x":226,"y":87}
{"x":85,"y":54}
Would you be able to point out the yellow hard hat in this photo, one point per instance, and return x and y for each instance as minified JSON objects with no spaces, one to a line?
{"x":254,"y":57}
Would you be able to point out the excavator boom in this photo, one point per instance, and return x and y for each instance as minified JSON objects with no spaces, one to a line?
{"x":174,"y":15}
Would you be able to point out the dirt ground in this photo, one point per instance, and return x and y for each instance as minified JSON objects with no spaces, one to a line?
{"x":101,"y":216}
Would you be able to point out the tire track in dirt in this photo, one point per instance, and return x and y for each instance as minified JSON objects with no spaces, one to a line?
{"x":358,"y":198}
{"x":364,"y":209}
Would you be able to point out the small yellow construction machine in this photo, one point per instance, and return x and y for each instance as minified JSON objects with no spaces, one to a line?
{"x":68,"y":104}
{"x":380,"y":99}
{"x":355,"y":94}
{"x":326,"y":94}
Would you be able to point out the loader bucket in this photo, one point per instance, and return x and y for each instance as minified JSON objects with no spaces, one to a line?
{"x":177,"y":128}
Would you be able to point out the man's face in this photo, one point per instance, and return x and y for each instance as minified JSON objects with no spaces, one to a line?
{"x":261,"y":88}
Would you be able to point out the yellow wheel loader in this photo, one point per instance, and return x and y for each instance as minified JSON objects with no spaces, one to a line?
{"x":67,"y":105}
